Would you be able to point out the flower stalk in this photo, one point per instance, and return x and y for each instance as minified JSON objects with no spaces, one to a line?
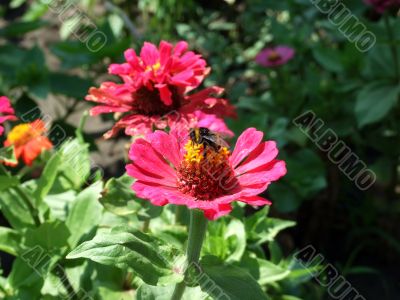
{"x":197,"y":232}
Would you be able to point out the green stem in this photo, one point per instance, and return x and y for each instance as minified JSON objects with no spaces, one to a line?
{"x":179,"y":210}
{"x":82,"y":123}
{"x":197,"y":232}
{"x":146,"y":225}
{"x":66,"y":283}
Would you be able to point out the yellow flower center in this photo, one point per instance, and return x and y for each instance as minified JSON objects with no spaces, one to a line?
{"x":154,"y":67}
{"x":205,"y":172}
{"x":22,"y":134}
{"x":198,"y":152}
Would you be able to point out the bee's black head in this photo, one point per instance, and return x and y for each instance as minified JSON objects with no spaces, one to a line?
{"x":204,"y":131}
{"x":198,"y":135}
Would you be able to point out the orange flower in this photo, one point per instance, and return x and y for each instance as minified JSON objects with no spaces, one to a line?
{"x":28,"y":140}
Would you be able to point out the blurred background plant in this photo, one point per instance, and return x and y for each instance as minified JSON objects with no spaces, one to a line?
{"x":43,"y":63}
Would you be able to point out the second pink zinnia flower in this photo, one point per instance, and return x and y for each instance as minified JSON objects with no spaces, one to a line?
{"x":177,"y":171}
{"x":155,"y":91}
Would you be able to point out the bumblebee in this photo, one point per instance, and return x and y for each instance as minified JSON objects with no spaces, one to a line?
{"x":207,"y":138}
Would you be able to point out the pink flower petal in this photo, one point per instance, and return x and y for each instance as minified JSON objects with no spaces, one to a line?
{"x":165,"y":94}
{"x":182,"y":78}
{"x":94,"y":111}
{"x":5,"y":106}
{"x":254,"y":189}
{"x":165,"y":52}
{"x":213,"y":214}
{"x":7,"y":118}
{"x":131,"y":57}
{"x":264,"y":153}
{"x":149,"y":54}
{"x":119,"y":69}
{"x":266,"y":173}
{"x":180,"y":48}
{"x":142,"y":154}
{"x":160,"y":195}
{"x":166,"y":145}
{"x":135,"y":171}
{"x":255,"y":201}
{"x":245,"y":144}
{"x":153,"y":192}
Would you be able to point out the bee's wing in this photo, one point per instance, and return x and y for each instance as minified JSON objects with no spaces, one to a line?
{"x":220,"y":141}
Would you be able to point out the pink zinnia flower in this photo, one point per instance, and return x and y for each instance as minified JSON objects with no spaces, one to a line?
{"x":154,"y":92}
{"x":382,"y":5}
{"x":6,"y":112}
{"x":172,"y":170}
{"x":275,"y":56}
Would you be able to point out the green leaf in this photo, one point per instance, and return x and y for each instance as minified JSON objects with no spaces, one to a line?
{"x":16,"y":3}
{"x":48,"y":177}
{"x":275,"y":251}
{"x":7,"y":181}
{"x":59,"y":203}
{"x":151,"y":259}
{"x":20,"y":28}
{"x":75,"y":166}
{"x":148,"y":292}
{"x":328,"y":58}
{"x":288,"y":200}
{"x":300,"y":273}
{"x":50,"y":236}
{"x":263,"y":270}
{"x":225,"y":240}
{"x":25,"y":280}
{"x":236,"y":231}
{"x":307,"y":176}
{"x":270,"y":272}
{"x":218,"y":279}
{"x":7,"y":155}
{"x":9,"y":240}
{"x":85,"y":213}
{"x":262,"y":229}
{"x":379,"y":58}
{"x":109,"y":294}
{"x":118,"y":196}
{"x":34,"y":74}
{"x":15,"y":209}
{"x":27,"y":109}
{"x":69,"y":85}
{"x":270,"y":227}
{"x":375,"y":101}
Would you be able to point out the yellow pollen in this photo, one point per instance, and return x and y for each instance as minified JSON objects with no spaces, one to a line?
{"x":21,"y":134}
{"x":196,"y":153}
{"x":154,"y":67}
{"x":205,"y":172}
